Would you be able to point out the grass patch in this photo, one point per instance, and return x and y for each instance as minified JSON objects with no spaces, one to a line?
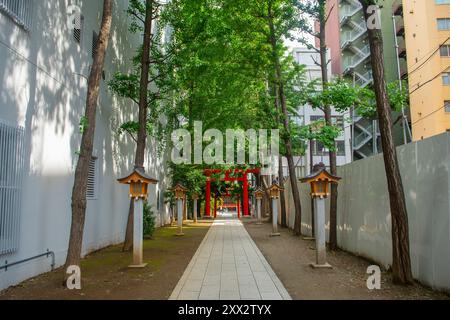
{"x":105,"y":273}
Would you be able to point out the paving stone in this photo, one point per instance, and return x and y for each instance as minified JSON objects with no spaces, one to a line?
{"x":209,"y":293}
{"x":229,"y":285}
{"x":250,"y":293}
{"x":229,"y":266}
{"x":193,"y":285}
{"x":266,"y":286}
{"x":271,"y":296}
{"x":230,"y":295}
{"x":188,"y":295}
{"x":211,"y":280}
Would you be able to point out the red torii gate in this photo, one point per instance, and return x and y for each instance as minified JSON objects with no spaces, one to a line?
{"x":239,"y":175}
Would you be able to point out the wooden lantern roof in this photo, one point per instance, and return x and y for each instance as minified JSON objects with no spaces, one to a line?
{"x":259,"y":193}
{"x":138,"y":182}
{"x":274,"y":190}
{"x":138,"y":175}
{"x":180,"y":191}
{"x":275,"y":186}
{"x":195,"y":196}
{"x":179,"y":187}
{"x":320,"y":175}
{"x":320,"y":181}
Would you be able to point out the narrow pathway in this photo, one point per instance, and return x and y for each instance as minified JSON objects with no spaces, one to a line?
{"x":229,"y":266}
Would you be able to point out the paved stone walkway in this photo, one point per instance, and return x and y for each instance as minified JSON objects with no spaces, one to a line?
{"x":229,"y":266}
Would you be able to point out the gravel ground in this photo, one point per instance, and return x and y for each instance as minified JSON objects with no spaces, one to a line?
{"x":290,"y":257}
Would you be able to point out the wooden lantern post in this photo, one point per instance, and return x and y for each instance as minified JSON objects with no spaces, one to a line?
{"x":180,"y":193}
{"x":320,"y":181}
{"x":208,"y":198}
{"x":185,"y":213}
{"x":215,"y":205}
{"x":259,"y":194}
{"x":138,"y":182}
{"x":195,"y":198}
{"x":274,"y":192}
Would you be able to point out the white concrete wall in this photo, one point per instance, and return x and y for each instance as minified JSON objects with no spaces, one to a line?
{"x":364,"y":221}
{"x":39,"y":90}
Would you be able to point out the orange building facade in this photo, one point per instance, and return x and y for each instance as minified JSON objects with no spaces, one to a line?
{"x":427,"y":33}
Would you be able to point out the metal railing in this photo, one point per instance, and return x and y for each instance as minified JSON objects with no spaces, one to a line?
{"x":365,"y":79}
{"x":47,"y":254}
{"x":19,"y":10}
{"x":349,"y":10}
{"x":362,"y":138}
{"x":352,"y":62}
{"x":352,"y":35}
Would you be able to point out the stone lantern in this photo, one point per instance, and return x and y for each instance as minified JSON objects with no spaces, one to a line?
{"x":274,"y":193}
{"x":138,"y":182}
{"x":259,"y":195}
{"x":195,"y":197}
{"x":320,"y":181}
{"x":180,"y":194}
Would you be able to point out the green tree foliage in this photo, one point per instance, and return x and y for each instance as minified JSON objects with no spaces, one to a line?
{"x":219,"y":73}
{"x":160,"y":90}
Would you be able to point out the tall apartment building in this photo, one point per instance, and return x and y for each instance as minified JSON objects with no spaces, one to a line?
{"x":44,"y":64}
{"x":347,"y":39}
{"x":427,"y":25}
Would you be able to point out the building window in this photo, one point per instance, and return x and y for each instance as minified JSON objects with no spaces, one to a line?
{"x":445,"y":50}
{"x":446,"y":79}
{"x":319,"y":150}
{"x":78,"y":28}
{"x":447,"y":106}
{"x":317,"y":118}
{"x":299,"y":120}
{"x":442,"y":1}
{"x":337,"y":121}
{"x":18,"y":10}
{"x":443,"y":24}
{"x":11,"y":171}
{"x":340,"y":146}
{"x":92,"y":189}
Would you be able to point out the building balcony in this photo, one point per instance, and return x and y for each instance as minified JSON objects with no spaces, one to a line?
{"x":402,"y":53}
{"x":401,"y":48}
{"x":397,"y":8}
{"x":403,"y":68}
{"x":404,"y":72}
{"x":400,"y":28}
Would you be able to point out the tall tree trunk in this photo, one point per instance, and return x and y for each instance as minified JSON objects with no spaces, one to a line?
{"x":87,"y":141}
{"x":286,"y":136}
{"x":280,"y":167}
{"x":329,"y":122}
{"x":268,"y":204}
{"x":282,"y":194}
{"x":143,"y":110}
{"x":311,"y":168}
{"x":401,"y":261}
